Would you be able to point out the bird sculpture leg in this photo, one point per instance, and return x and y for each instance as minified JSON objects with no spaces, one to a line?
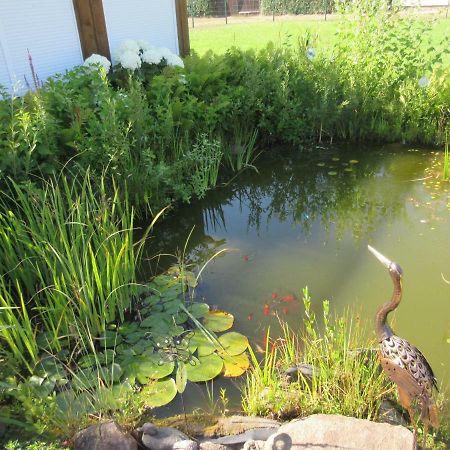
{"x":405,"y":401}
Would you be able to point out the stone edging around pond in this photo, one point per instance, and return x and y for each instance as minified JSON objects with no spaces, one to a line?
{"x":319,"y":431}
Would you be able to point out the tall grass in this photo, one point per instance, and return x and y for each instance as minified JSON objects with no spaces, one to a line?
{"x":67,"y":256}
{"x":345,"y":378}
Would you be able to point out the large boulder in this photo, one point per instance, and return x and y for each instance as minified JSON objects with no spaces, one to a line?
{"x":320,"y":431}
{"x":104,"y":436}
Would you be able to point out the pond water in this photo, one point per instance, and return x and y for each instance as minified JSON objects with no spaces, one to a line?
{"x":305,"y":220}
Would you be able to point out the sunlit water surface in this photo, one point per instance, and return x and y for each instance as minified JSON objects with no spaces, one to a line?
{"x":305,"y":220}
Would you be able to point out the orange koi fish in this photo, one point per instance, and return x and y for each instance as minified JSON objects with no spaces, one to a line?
{"x":288,"y":298}
{"x":266,"y":309}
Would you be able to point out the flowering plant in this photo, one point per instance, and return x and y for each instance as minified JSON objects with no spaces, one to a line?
{"x":97,"y":60}
{"x":132,"y":54}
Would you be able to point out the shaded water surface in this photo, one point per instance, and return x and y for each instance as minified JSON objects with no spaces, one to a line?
{"x":306,"y":220}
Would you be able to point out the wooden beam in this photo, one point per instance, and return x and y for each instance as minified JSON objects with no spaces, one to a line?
{"x":92,"y":27}
{"x":182,"y":27}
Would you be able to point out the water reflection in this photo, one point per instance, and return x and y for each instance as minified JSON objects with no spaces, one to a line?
{"x":356,"y":198}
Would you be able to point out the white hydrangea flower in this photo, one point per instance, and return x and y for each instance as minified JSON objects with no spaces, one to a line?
{"x":130,"y":60}
{"x":95,"y":60}
{"x":144,"y":45}
{"x":129,"y":45}
{"x":424,"y":82}
{"x":311,"y":53}
{"x":152,"y":56}
{"x":171,"y":58}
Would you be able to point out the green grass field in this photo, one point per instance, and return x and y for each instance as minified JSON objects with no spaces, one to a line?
{"x":257,"y":33}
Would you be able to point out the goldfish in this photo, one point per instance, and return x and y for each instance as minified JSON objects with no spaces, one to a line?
{"x":274,"y":295}
{"x":250,"y":316}
{"x":266,"y":309}
{"x":285,"y":310}
{"x":288,"y":298}
{"x":245,"y":258}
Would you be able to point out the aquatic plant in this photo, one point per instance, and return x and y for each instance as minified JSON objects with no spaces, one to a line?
{"x":341,"y":373}
{"x":241,"y":152}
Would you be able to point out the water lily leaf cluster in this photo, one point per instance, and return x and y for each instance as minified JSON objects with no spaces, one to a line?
{"x":167,"y":340}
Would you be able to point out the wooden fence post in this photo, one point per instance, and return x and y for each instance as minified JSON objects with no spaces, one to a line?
{"x":92,"y":27}
{"x":182,"y":27}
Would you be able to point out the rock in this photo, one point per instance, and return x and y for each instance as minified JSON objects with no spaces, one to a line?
{"x":207,"y":445}
{"x":149,"y":428}
{"x":192,"y":424}
{"x":295,"y":373}
{"x":185,"y":445}
{"x":322,"y":431}
{"x":164,"y":439}
{"x":104,"y":436}
{"x":389,"y":413}
{"x":257,"y":434}
{"x":254,"y":445}
{"x":233,"y":425}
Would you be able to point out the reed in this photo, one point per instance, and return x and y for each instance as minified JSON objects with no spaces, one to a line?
{"x":345,"y":378}
{"x":67,"y":256}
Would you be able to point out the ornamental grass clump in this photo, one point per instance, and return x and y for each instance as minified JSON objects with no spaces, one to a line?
{"x":67,"y":256}
{"x":340,"y":374}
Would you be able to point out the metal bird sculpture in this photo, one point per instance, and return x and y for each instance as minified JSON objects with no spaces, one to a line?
{"x":404,"y":364}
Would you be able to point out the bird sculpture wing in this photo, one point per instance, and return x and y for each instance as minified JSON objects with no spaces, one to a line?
{"x":408,"y":385}
{"x":402,"y":378}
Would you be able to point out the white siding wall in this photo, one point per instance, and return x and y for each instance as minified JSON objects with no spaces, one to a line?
{"x":47,"y":28}
{"x":150,"y":20}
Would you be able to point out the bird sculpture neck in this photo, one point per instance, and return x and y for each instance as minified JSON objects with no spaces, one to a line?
{"x":382,"y":328}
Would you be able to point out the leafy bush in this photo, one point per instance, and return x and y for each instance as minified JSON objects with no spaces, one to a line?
{"x":297,"y":6}
{"x":383,"y":80}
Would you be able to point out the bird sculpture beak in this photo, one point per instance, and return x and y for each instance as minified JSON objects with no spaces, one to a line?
{"x":386,"y":262}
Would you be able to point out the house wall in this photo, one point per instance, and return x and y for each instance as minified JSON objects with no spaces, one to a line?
{"x":47,"y":28}
{"x":154,"y":21}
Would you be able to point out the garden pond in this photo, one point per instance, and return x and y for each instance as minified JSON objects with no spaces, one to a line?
{"x":305,"y":220}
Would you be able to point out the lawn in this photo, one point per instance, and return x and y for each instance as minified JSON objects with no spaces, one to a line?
{"x":257,"y":32}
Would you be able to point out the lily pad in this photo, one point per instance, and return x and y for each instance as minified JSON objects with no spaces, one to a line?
{"x":111,"y":373}
{"x":332,"y":173}
{"x":173,"y":306}
{"x":353,"y":161}
{"x":154,"y":319}
{"x":110,"y":339}
{"x":181,"y":377}
{"x":348,"y":169}
{"x":134,"y":337}
{"x":234,"y":343}
{"x":146,"y":367}
{"x":205,"y":368}
{"x":235,"y":366}
{"x":159,"y":393}
{"x":202,"y":344}
{"x":152,"y":300}
{"x":335,"y":158}
{"x":218,"y":321}
{"x":321,"y":164}
{"x":128,"y":328}
{"x":198,"y":310}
